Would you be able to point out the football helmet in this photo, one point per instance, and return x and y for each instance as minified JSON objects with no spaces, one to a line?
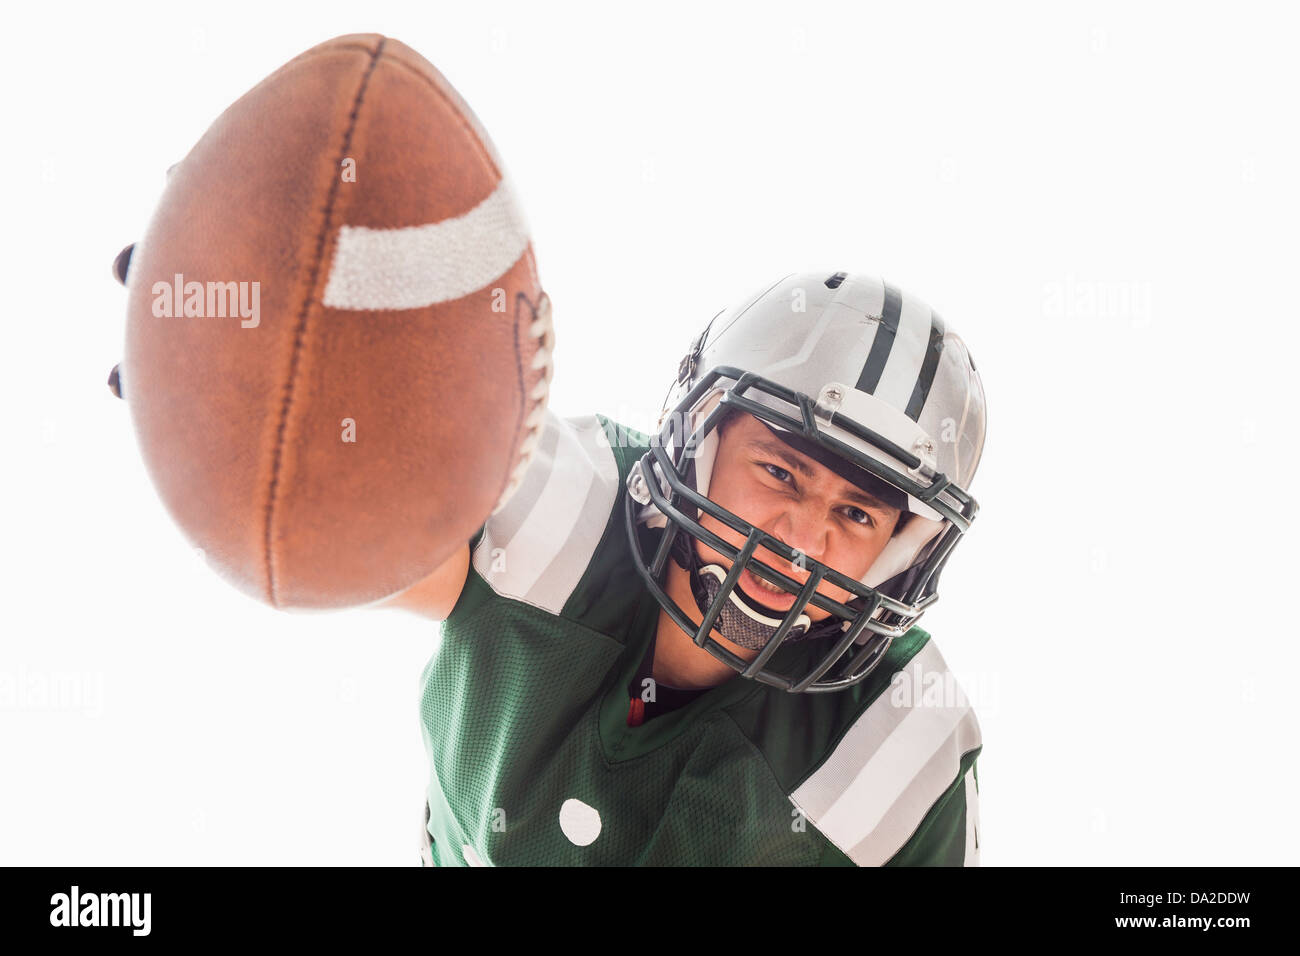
{"x":861,"y":376}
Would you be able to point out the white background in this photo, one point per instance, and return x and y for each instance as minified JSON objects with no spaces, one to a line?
{"x":1100,"y":199}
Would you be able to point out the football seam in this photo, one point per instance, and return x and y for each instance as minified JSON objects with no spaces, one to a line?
{"x":323,"y":49}
{"x":300,"y":329}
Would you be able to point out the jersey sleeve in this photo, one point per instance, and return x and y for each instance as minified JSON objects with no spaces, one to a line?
{"x":949,"y":834}
{"x":537,"y":548}
{"x":898,"y":787}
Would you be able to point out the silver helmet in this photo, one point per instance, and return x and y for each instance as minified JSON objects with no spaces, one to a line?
{"x":868,"y":379}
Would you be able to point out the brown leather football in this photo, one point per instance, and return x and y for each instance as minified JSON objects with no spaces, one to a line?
{"x":337,"y":349}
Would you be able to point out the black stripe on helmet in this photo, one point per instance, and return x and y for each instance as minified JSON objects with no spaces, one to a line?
{"x":874,"y":367}
{"x":921,"y":390}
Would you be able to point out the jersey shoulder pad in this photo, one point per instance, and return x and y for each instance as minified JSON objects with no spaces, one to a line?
{"x":910,"y":749}
{"x":536,"y":548}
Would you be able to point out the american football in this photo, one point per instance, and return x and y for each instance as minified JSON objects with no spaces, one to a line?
{"x":299,"y":313}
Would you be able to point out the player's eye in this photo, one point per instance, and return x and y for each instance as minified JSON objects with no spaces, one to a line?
{"x":858,"y":516}
{"x":780,"y":474}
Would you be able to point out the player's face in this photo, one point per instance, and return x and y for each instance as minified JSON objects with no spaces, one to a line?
{"x":799,"y":501}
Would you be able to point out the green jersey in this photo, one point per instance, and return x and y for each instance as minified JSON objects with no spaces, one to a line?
{"x":535,"y":759}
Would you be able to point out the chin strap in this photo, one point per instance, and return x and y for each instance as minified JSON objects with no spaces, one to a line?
{"x":745,"y":621}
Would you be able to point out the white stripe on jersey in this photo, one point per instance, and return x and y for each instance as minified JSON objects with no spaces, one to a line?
{"x":885,"y":774}
{"x":417,"y":266}
{"x":972,"y":820}
{"x":538,"y":546}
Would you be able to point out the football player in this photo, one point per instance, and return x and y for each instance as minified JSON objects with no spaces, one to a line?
{"x":700,"y":647}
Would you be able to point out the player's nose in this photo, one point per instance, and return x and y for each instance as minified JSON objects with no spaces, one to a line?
{"x":803,"y":529}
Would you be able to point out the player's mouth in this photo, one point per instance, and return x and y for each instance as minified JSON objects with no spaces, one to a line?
{"x":769,"y":595}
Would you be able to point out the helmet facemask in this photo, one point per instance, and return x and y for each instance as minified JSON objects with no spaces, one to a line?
{"x":830,"y":654}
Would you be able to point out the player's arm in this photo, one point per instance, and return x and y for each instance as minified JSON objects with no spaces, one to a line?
{"x":435,"y":596}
